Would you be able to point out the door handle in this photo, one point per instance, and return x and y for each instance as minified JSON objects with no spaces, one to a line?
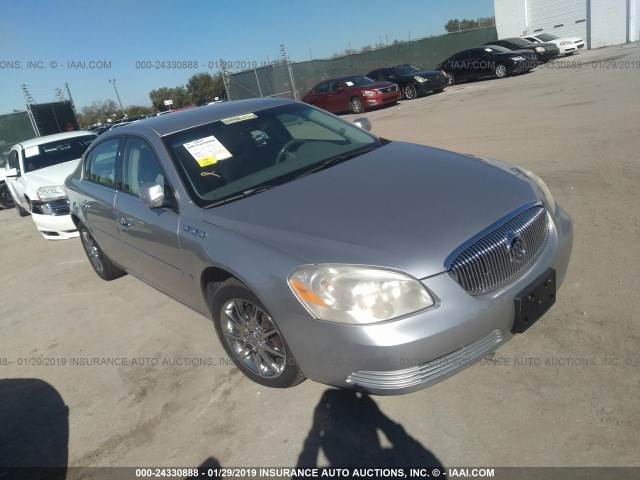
{"x":85,"y":205}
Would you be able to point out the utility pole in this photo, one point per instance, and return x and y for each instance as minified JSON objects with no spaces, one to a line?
{"x":113,"y":82}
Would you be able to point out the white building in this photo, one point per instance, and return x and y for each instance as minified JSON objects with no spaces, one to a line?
{"x":599,"y":22}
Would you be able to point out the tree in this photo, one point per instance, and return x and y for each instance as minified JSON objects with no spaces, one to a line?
{"x":179,"y":96}
{"x":204,"y":88}
{"x":455,"y":25}
{"x":138,"y":110}
{"x":99,"y":112}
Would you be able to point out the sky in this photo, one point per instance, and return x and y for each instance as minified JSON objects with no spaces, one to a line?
{"x":45,"y":45}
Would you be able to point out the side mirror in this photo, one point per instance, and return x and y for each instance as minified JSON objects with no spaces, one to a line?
{"x":363,"y":122}
{"x":12,"y":172}
{"x":152,"y":195}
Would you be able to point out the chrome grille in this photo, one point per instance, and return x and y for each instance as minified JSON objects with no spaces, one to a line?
{"x":501,"y":254}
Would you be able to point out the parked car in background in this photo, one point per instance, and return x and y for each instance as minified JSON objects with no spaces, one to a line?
{"x":487,"y":61}
{"x":544,"y":51}
{"x":318,"y":249}
{"x":35,"y":177}
{"x":567,"y":45}
{"x":6,"y":200}
{"x":413,"y":81}
{"x":354,"y":93}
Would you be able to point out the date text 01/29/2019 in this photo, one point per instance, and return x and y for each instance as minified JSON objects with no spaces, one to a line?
{"x":195,"y":64}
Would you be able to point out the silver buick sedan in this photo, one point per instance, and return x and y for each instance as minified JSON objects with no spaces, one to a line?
{"x":320,"y":250}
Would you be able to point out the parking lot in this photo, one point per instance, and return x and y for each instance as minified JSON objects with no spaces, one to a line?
{"x":146,"y":382}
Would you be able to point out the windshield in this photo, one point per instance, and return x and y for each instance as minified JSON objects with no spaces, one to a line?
{"x":53,"y":153}
{"x":519,"y":41}
{"x":234,"y":156}
{"x":358,"y":81}
{"x":405,"y":69}
{"x":546,"y":37}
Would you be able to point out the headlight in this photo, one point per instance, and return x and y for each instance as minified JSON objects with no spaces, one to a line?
{"x":540,"y":49}
{"x":518,"y":59}
{"x":55,"y":192}
{"x":357,"y":294}
{"x":420,"y":79}
{"x":369,"y":93}
{"x":549,"y":201}
{"x":566,"y":43}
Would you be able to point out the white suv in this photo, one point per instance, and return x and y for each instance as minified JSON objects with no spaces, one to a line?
{"x":35,"y":176}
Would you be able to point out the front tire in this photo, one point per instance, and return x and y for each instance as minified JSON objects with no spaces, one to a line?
{"x":409,"y":92}
{"x":6,"y":200}
{"x":501,"y":71}
{"x":356,"y":105}
{"x":23,"y":212}
{"x":251,"y":338}
{"x":101,"y":264}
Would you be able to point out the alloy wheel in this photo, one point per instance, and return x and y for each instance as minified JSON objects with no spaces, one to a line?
{"x":254,"y":338}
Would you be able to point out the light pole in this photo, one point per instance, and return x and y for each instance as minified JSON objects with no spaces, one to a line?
{"x":113,"y":82}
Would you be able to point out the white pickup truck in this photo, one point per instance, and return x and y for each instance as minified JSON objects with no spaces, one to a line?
{"x":35,"y":177}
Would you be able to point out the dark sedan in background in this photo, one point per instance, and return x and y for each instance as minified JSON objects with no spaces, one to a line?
{"x":544,"y":51}
{"x":354,"y":93}
{"x":413,"y":81}
{"x":487,"y":62}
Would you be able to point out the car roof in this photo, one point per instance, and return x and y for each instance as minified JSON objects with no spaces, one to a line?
{"x":177,"y":121}
{"x":53,"y":138}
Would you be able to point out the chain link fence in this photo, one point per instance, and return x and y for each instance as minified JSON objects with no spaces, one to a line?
{"x":273,"y":80}
{"x":293,"y":80}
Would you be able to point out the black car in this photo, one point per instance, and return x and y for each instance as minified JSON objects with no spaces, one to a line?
{"x":544,"y":51}
{"x":413,"y":81}
{"x":491,"y":61}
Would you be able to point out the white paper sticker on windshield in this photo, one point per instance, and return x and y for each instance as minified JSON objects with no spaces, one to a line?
{"x":488,"y":50}
{"x":238,"y":118}
{"x":349,"y":83}
{"x":207,"y":151}
{"x":31,"y":151}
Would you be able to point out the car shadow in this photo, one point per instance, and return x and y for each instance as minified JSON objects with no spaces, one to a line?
{"x":347,"y":429}
{"x":34,"y":430}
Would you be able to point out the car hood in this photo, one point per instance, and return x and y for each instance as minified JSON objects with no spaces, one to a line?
{"x":423,"y":73}
{"x":402,"y":206}
{"x":53,"y":175}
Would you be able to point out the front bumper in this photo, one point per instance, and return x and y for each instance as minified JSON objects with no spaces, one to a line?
{"x":55,"y":227}
{"x":548,"y":55}
{"x":381,"y":99}
{"x":432,"y":84}
{"x":416,"y":351}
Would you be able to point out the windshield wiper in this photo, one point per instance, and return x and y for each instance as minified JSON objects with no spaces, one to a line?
{"x":335,"y":160}
{"x":245,"y":194}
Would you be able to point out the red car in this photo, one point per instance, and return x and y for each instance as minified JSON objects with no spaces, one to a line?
{"x":355,"y":93}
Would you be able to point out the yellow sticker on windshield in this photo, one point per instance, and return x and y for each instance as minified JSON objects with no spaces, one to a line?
{"x":207,"y":151}
{"x":238,"y":118}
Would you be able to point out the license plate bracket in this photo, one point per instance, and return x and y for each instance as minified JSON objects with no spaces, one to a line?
{"x":534,"y":301}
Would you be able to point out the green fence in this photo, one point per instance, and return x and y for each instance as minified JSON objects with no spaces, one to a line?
{"x":293,"y":80}
{"x":14,"y":128}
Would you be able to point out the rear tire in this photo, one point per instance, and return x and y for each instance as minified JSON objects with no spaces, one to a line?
{"x":251,"y":338}
{"x":451,"y":78}
{"x":101,"y":264}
